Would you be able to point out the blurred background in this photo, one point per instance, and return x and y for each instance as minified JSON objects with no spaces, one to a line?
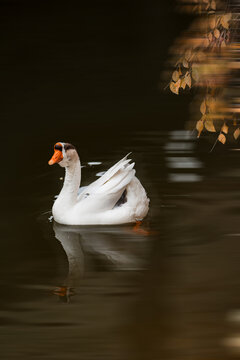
{"x":91,"y":74}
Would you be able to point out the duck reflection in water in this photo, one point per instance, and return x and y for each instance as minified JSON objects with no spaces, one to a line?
{"x":110,"y":247}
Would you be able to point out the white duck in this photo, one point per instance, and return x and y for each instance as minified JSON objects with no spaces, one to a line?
{"x":117,"y":197}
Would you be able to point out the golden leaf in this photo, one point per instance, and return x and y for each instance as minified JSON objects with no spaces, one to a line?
{"x":185,"y":63}
{"x":224,"y":128}
{"x":188,"y":80}
{"x":178,"y":84}
{"x":225,"y":24}
{"x":183,"y":83}
{"x":216,"y":33}
{"x":209,"y":126}
{"x":222,"y":138}
{"x":203,"y":107}
{"x":173,"y":88}
{"x":175,"y":75}
{"x":236,"y":133}
{"x":213,"y":5}
{"x":225,"y":19}
{"x":199,"y":127}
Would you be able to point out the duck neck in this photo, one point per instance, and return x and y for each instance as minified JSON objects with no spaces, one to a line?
{"x":71,"y":184}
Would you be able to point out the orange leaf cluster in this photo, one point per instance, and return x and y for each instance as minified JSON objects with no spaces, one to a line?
{"x":181,"y":77}
{"x":211,"y":110}
{"x":206,"y":59}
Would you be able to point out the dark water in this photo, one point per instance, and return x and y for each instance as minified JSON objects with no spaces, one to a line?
{"x":88,"y":74}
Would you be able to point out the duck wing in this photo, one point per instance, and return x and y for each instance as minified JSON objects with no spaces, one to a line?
{"x":104,"y":193}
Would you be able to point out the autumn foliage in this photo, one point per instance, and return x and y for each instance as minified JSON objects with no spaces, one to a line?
{"x":206,"y":57}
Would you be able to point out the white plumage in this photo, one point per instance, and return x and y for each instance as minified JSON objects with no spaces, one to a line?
{"x":117,"y":197}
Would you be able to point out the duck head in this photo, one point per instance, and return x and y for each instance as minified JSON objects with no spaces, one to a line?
{"x":64,"y":154}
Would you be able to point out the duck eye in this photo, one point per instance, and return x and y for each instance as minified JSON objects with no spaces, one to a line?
{"x":58,"y":147}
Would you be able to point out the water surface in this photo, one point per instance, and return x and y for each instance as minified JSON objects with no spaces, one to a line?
{"x":89,"y":75}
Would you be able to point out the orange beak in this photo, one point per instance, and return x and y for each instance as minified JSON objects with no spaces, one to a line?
{"x":56,"y":158}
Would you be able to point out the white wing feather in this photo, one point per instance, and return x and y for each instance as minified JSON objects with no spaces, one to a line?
{"x":103,"y":193}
